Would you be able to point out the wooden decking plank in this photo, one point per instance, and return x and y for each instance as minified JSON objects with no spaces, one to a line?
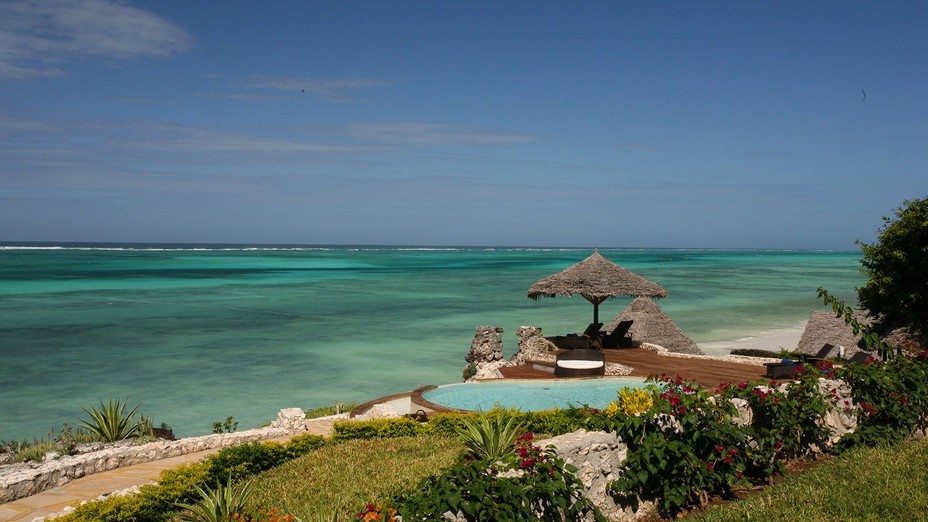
{"x":644,"y":363}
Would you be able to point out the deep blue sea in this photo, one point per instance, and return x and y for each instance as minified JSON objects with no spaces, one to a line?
{"x":196,"y":334}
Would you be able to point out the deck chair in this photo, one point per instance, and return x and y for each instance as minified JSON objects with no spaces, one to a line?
{"x":821,"y":355}
{"x":592,"y":334}
{"x":859,"y":357}
{"x":618,"y":337}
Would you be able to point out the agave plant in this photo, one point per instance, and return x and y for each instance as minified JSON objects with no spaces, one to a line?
{"x":111,"y":422}
{"x":217,"y":505}
{"x":490,"y":437}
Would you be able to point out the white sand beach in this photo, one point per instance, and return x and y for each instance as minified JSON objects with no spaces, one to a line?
{"x":774,"y":340}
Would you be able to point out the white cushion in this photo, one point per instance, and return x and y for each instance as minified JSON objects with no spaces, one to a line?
{"x":580,"y":364}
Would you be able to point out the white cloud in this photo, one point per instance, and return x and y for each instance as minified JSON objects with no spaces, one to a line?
{"x":417,"y":133}
{"x":39,"y":37}
{"x":334,"y":91}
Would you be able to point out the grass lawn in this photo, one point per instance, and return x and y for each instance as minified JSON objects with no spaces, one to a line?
{"x":344,"y":477}
{"x":889,"y":483}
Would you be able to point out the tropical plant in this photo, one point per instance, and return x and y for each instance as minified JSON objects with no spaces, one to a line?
{"x":111,"y":422}
{"x":217,"y":505}
{"x":685,"y":447}
{"x":528,"y":483}
{"x":229,"y":426}
{"x":896,"y":265}
{"x":490,"y":437}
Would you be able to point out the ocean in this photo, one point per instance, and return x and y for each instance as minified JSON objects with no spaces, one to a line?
{"x":194,"y":334}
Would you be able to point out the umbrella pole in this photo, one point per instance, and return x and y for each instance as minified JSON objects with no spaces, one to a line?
{"x":595,"y":313}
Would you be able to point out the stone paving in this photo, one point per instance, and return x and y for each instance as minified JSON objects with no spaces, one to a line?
{"x":55,"y":500}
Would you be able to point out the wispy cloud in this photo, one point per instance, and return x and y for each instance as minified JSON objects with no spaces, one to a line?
{"x":333,"y":91}
{"x":417,"y":133}
{"x":39,"y":37}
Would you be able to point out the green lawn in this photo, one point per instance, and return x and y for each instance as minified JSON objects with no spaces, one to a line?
{"x":344,"y":477}
{"x":889,"y":483}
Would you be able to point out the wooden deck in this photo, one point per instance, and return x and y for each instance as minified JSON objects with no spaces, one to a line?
{"x":707,"y":372}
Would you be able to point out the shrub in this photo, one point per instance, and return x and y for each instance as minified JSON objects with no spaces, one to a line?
{"x":229,"y":426}
{"x":786,"y":424}
{"x":377,"y":428}
{"x":530,"y":483}
{"x":111,"y":422}
{"x":303,"y":444}
{"x":490,"y":437}
{"x":892,"y":398}
{"x":244,"y":460}
{"x":216,"y":505}
{"x":684,"y":447}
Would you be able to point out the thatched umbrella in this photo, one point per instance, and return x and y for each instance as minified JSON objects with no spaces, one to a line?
{"x":652,"y":325}
{"x":596,"y":279}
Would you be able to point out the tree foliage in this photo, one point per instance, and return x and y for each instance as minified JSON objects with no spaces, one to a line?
{"x":896,"y":266}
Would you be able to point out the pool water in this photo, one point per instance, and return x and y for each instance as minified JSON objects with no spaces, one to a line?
{"x":531,"y":395}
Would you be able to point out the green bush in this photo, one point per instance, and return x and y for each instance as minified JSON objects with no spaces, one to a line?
{"x":153,"y":502}
{"x":245,"y":460}
{"x":158,"y":502}
{"x":786,"y":424}
{"x":304,"y":444}
{"x":543,"y":487}
{"x":111,"y":422}
{"x":377,"y":428}
{"x":892,"y":398}
{"x":685,"y":446}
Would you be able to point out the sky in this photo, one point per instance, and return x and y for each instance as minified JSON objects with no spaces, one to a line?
{"x":591,"y":124}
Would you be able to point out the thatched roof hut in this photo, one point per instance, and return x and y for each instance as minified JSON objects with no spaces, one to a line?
{"x":596,"y":279}
{"x":824,"y":328}
{"x":652,"y":325}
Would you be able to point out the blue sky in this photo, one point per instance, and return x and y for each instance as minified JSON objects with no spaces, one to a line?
{"x":611,"y":124}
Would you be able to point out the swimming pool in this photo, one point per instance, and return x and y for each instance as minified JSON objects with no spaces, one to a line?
{"x":531,"y":395}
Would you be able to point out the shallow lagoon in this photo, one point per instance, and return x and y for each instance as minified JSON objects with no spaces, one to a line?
{"x":196,"y":335}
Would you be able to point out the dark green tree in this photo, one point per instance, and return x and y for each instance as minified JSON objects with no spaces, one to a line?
{"x":896,"y":266}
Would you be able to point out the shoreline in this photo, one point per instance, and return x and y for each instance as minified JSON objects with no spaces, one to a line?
{"x":772,"y":340}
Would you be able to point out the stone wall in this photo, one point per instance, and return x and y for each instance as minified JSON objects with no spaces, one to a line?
{"x":22,"y":480}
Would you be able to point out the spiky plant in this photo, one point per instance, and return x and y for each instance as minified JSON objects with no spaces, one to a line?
{"x":490,"y":437}
{"x":111,"y":422}
{"x":217,"y":505}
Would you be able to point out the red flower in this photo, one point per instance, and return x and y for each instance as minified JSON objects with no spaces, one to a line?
{"x":710,"y":466}
{"x":720,"y":449}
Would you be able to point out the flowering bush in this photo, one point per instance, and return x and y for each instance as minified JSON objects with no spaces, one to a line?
{"x":683,"y":448}
{"x":530,"y":483}
{"x":632,"y":401}
{"x":787,"y":422}
{"x":892,"y":397}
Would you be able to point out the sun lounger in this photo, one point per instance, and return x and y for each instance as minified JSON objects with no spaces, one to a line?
{"x":618,"y":337}
{"x":821,"y":355}
{"x":580,"y":363}
{"x":570,"y":342}
{"x":588,"y":339}
{"x":859,"y":357}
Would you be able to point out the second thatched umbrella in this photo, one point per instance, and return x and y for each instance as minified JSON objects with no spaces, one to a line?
{"x":596,"y":279}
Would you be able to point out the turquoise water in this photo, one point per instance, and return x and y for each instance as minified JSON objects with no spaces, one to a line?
{"x":196,"y":335}
{"x":531,"y":395}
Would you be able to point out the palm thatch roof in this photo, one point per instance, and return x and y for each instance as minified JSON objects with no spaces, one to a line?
{"x":824,"y":328}
{"x":596,"y":279}
{"x":652,"y":325}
